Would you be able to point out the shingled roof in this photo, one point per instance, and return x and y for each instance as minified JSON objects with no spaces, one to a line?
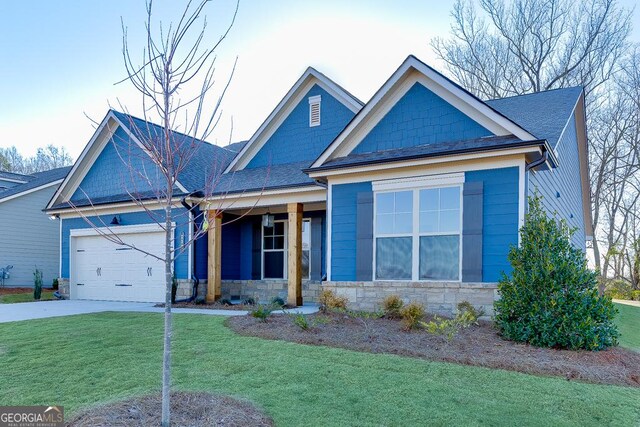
{"x":37,"y":179}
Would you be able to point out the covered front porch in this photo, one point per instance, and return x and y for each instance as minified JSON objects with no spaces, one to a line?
{"x":266,"y":252}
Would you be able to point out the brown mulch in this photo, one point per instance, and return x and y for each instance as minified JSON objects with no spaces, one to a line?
{"x":212,"y":306}
{"x":11,"y":291}
{"x":478,"y":345}
{"x":187,"y":409}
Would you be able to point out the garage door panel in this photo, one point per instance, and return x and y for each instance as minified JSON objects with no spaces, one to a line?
{"x":107,"y":271}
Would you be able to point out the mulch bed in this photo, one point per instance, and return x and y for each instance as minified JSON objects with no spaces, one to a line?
{"x":187,"y":409}
{"x":478,"y":345}
{"x":212,"y":306}
{"x":11,"y":291}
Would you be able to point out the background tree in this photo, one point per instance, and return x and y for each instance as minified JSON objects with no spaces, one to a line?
{"x":46,"y":158}
{"x":174,"y":76}
{"x":500,"y":48}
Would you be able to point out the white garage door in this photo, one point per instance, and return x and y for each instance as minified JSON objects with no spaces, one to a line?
{"x":107,"y":271}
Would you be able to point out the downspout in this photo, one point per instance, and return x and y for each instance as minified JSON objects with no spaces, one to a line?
{"x":196,"y":281}
{"x":542,"y":160}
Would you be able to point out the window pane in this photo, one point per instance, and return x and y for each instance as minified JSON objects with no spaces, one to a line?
{"x":450,"y":221}
{"x":384,"y":203}
{"x":274,"y":265}
{"x":384,"y":224}
{"x":428,"y":200}
{"x":429,"y":222}
{"x":305,"y":264}
{"x":268,"y":231}
{"x":279,"y":228}
{"x":393,"y":258}
{"x":268,"y":242}
{"x":278,"y":243}
{"x":439,"y":257}
{"x":403,"y":223}
{"x":404,"y":201}
{"x":450,"y":198}
{"x":306,"y":235}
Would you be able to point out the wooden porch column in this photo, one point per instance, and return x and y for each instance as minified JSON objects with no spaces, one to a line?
{"x":214,"y":270}
{"x":294,"y":258}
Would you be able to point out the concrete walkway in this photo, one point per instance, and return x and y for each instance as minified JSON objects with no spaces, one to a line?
{"x":627,"y":302}
{"x":45,"y":309}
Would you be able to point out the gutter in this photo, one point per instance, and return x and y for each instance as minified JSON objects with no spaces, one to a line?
{"x":196,"y":281}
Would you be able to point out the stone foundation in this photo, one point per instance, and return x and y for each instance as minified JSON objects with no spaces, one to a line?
{"x":263,"y":291}
{"x":185,"y":289}
{"x":63,"y":288}
{"x":438,"y":297}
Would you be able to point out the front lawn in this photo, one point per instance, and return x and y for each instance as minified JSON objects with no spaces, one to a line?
{"x":25,"y":297}
{"x":79,"y":361}
{"x":628,"y":321}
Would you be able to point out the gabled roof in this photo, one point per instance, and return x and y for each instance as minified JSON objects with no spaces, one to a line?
{"x":545,"y":114}
{"x":209,"y":160}
{"x":414,"y":69}
{"x":37,"y":180}
{"x":271,"y":177}
{"x":310,"y":77}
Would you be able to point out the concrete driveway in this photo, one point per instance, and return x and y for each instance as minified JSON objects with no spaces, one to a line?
{"x":44,"y":309}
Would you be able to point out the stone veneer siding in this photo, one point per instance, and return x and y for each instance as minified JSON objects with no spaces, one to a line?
{"x":63,"y":288}
{"x":265,"y":290}
{"x":438,"y":297}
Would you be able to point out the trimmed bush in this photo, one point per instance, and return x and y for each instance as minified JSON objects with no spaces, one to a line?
{"x":551,"y":298}
{"x":391,"y":306}
{"x":329,"y":301}
{"x":37,"y":283}
{"x":412,"y":314}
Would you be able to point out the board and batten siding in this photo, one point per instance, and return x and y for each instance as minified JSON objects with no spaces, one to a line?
{"x":561,"y":188}
{"x":29,"y":238}
{"x":499,"y":218}
{"x":130,"y":218}
{"x":344,"y":204}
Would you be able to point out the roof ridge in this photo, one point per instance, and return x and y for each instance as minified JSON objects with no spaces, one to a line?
{"x":535,"y":93}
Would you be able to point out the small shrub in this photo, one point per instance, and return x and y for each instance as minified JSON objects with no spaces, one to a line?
{"x":37,"y":283}
{"x":261,"y":312}
{"x":412,"y":314}
{"x":551,"y":297}
{"x":225,"y":301}
{"x":55,"y":285}
{"x":468,"y":314}
{"x":447,"y":327}
{"x":329,"y":301}
{"x":300,"y":320}
{"x":391,"y":306}
{"x":249,"y":301}
{"x":618,"y":289}
{"x":635,"y":295}
{"x":278,"y":302}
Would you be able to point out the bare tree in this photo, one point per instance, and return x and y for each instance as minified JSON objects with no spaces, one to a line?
{"x":174,"y":76}
{"x":46,"y":158}
{"x":526,"y":46}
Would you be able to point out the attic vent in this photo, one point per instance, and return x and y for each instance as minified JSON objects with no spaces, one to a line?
{"x":314,"y":110}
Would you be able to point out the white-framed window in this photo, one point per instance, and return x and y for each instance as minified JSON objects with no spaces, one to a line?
{"x":418,"y":230}
{"x":274,"y":251}
{"x":314,"y":110}
{"x":306,"y":248}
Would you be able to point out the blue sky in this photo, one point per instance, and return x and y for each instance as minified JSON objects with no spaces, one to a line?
{"x":61,"y":58}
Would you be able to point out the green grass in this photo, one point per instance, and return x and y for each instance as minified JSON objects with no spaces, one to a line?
{"x":628,"y":321}
{"x":80,"y":361}
{"x":25,"y":297}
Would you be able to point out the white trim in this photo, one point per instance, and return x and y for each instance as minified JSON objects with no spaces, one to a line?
{"x":328,"y":214}
{"x":13,"y":180}
{"x":410,"y":183}
{"x":284,"y":108}
{"x":436,"y":82}
{"x":110,"y":209}
{"x":31,"y":190}
{"x":60,"y":249}
{"x":191,"y":247}
{"x":119,"y":229}
{"x":255,"y":199}
{"x":315,"y":101}
{"x":522,"y":197}
{"x":492,"y":156}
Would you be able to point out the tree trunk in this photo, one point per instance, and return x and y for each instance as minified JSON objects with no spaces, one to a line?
{"x":166,"y":356}
{"x":596,"y":256}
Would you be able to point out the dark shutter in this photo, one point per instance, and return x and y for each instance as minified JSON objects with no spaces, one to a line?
{"x":315,"y":262}
{"x":364,"y":237}
{"x":472,"y":232}
{"x":256,"y":251}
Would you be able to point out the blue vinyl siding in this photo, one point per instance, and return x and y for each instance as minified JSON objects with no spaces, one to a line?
{"x":563,"y":181}
{"x":420,"y":117}
{"x":500,"y":218}
{"x":132,"y":218}
{"x":110,"y":176}
{"x":343,"y":229}
{"x":231,"y":256}
{"x":295,"y":141}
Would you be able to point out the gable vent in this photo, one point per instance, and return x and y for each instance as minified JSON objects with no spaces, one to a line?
{"x":314,"y":110}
